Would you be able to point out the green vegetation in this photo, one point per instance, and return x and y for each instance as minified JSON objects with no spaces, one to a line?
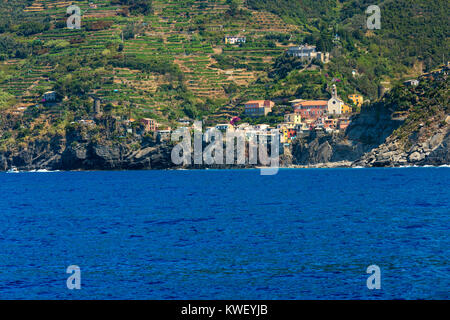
{"x":414,"y":35}
{"x":297,"y":11}
{"x":167,"y":59}
{"x":6,"y":100}
{"x":426,"y":105}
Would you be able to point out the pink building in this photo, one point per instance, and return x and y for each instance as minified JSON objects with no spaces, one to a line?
{"x":312,"y":110}
{"x":149,"y":124}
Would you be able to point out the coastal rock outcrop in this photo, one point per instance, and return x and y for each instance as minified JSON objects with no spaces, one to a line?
{"x":434,"y":151}
{"x":319,"y":147}
{"x":86,"y":156}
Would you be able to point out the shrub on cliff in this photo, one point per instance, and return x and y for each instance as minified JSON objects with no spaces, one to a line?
{"x":6,"y":100}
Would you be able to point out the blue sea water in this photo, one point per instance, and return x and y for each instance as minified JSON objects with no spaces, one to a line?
{"x":226,"y":234}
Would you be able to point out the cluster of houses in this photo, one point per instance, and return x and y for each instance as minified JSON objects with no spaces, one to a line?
{"x":329,"y":115}
{"x":308,"y":115}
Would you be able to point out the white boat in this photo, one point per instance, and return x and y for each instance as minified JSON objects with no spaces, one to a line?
{"x":13,"y":170}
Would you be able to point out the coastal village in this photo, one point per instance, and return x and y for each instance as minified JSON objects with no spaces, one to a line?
{"x":329,"y":116}
{"x":332,"y":115}
{"x":130,"y":76}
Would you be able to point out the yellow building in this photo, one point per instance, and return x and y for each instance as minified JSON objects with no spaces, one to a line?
{"x":357,"y":99}
{"x":287,"y":133}
{"x":294,"y":118}
{"x":346,"y":109}
{"x":284,"y":136}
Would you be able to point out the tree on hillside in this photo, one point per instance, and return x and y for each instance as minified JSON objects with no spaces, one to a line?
{"x":10,"y":48}
{"x":144,"y":7}
{"x":233,"y":7}
{"x":6,"y":100}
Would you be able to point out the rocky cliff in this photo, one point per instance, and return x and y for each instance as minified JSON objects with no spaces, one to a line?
{"x":87,"y":156}
{"x":426,"y":149}
{"x":81,"y":147}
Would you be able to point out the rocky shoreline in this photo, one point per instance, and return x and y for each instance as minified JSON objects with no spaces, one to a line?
{"x":328,"y":165}
{"x":316,"y":150}
{"x":312,"y":151}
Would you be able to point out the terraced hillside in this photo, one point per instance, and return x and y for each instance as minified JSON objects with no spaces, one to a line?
{"x":168,"y":59}
{"x":185,"y":34}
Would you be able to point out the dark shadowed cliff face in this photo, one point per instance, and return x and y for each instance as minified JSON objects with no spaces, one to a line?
{"x":79,"y":150}
{"x":423,"y":149}
{"x":441,"y":154}
{"x":423,"y":138}
{"x":319,"y":147}
{"x":371,"y":127}
{"x":89,"y":156}
{"x":41,"y":154}
{"x":115,"y":157}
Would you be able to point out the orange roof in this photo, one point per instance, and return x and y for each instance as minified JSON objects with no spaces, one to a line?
{"x":313,"y":103}
{"x":255,"y":101}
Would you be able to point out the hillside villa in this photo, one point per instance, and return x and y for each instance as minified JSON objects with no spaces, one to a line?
{"x":49,"y":96}
{"x":257,"y":108}
{"x":307,"y":52}
{"x":149,"y":124}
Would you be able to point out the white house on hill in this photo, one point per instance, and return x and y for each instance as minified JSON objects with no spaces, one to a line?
{"x":307,"y":52}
